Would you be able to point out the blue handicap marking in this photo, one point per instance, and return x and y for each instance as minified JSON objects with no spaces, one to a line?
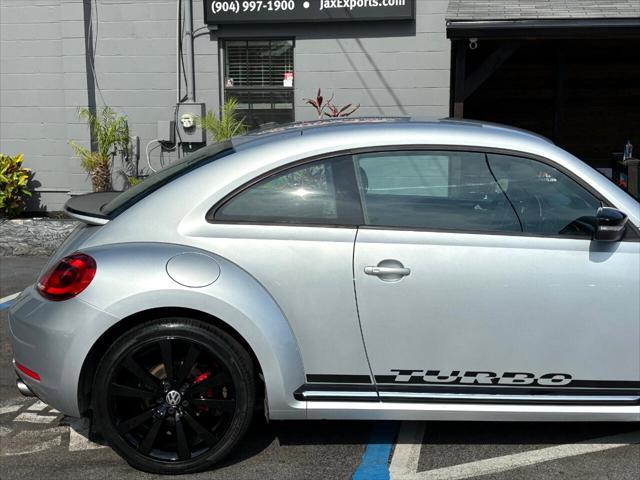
{"x":375,"y":459}
{"x":8,"y":301}
{"x":6,"y":304}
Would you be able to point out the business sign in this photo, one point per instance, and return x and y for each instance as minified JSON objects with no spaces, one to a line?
{"x":220,"y":12}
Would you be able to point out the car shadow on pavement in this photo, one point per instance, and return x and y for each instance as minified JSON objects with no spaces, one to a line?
{"x":298,"y":433}
{"x":493,"y":437}
{"x":449,"y":442}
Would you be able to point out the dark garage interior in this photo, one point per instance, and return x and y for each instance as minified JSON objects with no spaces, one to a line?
{"x":578,"y":85}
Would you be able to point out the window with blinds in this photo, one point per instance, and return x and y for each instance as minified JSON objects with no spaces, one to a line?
{"x":259,"y":75}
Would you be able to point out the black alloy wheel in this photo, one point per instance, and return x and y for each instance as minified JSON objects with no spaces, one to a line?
{"x":174,"y":395}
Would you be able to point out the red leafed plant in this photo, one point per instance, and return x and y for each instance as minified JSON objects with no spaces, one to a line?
{"x":327,"y":108}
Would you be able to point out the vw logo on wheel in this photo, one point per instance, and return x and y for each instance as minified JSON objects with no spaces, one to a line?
{"x":173,"y":398}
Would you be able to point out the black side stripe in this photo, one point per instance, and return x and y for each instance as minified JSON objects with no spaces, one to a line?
{"x":609,"y":400}
{"x":466,"y":394}
{"x":604,"y":384}
{"x":326,"y":378}
{"x":416,"y":381}
{"x":530,"y":390}
{"x":342,"y":393}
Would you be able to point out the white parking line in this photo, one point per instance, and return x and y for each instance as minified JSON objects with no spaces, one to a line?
{"x":38,"y":406}
{"x":32,"y":441}
{"x":407,"y":452}
{"x":9,"y":297}
{"x":9,"y":409}
{"x":405,"y":466}
{"x":34,"y":418}
{"x":79,"y":436}
{"x":23,"y":439}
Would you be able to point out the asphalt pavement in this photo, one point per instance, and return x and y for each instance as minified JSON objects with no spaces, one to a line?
{"x":37,"y":442}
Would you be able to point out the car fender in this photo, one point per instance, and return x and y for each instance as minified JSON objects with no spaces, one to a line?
{"x":132,"y":278}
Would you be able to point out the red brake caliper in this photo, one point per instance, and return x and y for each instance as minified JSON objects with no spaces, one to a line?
{"x":199,"y":379}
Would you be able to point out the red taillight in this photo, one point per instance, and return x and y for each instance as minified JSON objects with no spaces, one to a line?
{"x":68,"y":277}
{"x":27,"y":372}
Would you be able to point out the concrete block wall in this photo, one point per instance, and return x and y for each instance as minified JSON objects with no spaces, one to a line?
{"x":135,"y":63}
{"x":42,"y":81}
{"x":390,"y":68}
{"x":398,"y":73}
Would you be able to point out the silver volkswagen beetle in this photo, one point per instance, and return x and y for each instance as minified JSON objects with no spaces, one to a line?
{"x":355,"y":269}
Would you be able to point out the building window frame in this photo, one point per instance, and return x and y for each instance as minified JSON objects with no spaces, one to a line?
{"x":269,"y":91}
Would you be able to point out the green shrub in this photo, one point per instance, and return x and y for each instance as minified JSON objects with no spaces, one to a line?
{"x":110,"y":131}
{"x":132,"y":181}
{"x":225,"y":127}
{"x":13,"y":185}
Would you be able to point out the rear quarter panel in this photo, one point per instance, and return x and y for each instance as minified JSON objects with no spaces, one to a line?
{"x":132,"y":278}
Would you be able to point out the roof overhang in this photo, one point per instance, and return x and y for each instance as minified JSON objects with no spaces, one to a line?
{"x":545,"y":28}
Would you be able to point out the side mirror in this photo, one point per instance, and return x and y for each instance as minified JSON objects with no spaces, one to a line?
{"x":610,"y":225}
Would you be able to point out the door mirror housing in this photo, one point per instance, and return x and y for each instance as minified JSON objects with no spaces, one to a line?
{"x":610,"y":225}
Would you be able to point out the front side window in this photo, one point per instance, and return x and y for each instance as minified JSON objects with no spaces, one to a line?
{"x":259,"y":75}
{"x":321,"y":192}
{"x":433,"y":190}
{"x":547,"y":201}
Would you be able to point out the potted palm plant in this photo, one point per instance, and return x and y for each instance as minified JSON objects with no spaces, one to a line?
{"x":110,"y":132}
{"x":227,"y":125}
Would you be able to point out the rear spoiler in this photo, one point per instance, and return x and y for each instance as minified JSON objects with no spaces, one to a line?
{"x":87,"y":208}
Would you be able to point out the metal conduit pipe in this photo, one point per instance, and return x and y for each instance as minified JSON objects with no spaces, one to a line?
{"x":191,"y":74}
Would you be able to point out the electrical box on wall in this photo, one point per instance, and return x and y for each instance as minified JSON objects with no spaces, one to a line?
{"x":166,"y":131}
{"x":188,"y":128}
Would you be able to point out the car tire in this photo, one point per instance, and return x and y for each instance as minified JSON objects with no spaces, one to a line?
{"x":148,"y":401}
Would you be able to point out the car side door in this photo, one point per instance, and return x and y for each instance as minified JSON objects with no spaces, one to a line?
{"x":293,"y":230}
{"x":472,"y":278}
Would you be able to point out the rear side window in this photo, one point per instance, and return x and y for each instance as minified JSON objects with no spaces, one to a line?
{"x":548,"y":202}
{"x":321,"y":192}
{"x":160,"y":178}
{"x":433,"y":190}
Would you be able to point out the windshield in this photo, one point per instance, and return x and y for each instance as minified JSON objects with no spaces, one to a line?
{"x":172,"y":171}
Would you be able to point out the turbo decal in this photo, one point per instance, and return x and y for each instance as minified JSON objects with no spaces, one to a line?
{"x":459,"y":377}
